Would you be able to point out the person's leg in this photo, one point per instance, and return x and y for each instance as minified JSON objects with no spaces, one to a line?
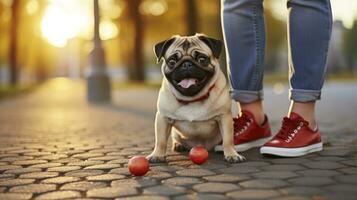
{"x":309,"y":30}
{"x":244,"y":35}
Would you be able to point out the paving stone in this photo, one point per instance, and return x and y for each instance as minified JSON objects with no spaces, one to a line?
{"x":275,"y":174}
{"x":158,"y":175}
{"x":350,"y":162}
{"x":253,"y":194}
{"x":347,"y":179}
{"x":195,"y":172}
{"x":21,"y":170}
{"x":15,"y":158}
{"x":104,"y":158}
{"x":39,"y":175}
{"x":335,"y":152}
{"x":253,"y":164}
{"x":6,"y":176}
{"x":284,"y":167}
{"x":53,"y":157}
{"x":329,"y":158}
{"x":29,"y":162}
{"x":68,"y":160}
{"x":323,"y":165}
{"x":15,"y":196}
{"x":8,"y":167}
{"x":343,"y":188}
{"x":85,"y":163}
{"x":103,"y":166}
{"x":311,"y":181}
{"x":63,"y":169}
{"x":105,"y":177}
{"x":144,"y":197}
{"x":46,"y":165}
{"x":59,"y":195}
{"x":166,"y":168}
{"x":111,"y":192}
{"x":289,"y":160}
{"x":181,"y":181}
{"x":201,"y":197}
{"x":82,"y":185}
{"x":238,"y":170}
{"x":302,"y":190}
{"x":141,"y":182}
{"x":226,"y":178}
{"x":14,"y":182}
{"x":84,"y":173}
{"x":61,"y":180}
{"x":122,"y":171}
{"x":118,"y":161}
{"x":319,"y":172}
{"x":349,"y":170}
{"x":215,"y":187}
{"x":295,"y":198}
{"x":263,"y":183}
{"x":87,"y":155}
{"x":164,"y":190}
{"x":33,"y":188}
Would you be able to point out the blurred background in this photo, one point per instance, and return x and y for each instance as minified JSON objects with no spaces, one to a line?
{"x":40,"y":39}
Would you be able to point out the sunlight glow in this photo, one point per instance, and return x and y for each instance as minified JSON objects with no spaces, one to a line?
{"x":108,"y":30}
{"x":153,"y":7}
{"x":64,"y":20}
{"x":32,"y":7}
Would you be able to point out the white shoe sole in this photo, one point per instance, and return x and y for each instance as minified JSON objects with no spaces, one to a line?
{"x":291,"y":152}
{"x":245,"y":146}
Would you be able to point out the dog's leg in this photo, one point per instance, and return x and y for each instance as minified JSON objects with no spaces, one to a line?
{"x":162,"y":131}
{"x":226,"y":129}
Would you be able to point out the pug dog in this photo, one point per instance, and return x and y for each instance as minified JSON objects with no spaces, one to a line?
{"x":193,"y":104}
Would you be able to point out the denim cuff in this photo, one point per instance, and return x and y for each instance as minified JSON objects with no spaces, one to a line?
{"x":300,"y":95}
{"x":246,"y":96}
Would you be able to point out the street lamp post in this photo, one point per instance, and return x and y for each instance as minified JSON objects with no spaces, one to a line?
{"x":98,"y":83}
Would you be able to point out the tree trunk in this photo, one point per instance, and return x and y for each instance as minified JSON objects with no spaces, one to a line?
{"x":13,"y":42}
{"x":136,"y":67}
{"x":191,"y":17}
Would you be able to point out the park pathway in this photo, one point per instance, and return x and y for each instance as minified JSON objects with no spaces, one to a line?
{"x":54,"y":145}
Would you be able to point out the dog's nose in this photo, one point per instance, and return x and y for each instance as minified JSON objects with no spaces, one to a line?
{"x":187,"y":65}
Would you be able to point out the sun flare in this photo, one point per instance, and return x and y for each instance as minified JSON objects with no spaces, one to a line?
{"x":67,"y":19}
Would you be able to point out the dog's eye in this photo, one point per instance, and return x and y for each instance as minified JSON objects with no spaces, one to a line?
{"x":172,"y":62}
{"x":203,"y":60}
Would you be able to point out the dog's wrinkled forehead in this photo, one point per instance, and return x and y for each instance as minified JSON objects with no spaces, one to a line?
{"x":186,"y":46}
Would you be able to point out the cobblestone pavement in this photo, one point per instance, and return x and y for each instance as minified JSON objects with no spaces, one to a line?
{"x":53,"y":145}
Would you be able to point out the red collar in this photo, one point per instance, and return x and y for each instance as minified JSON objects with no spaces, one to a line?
{"x":201,"y":98}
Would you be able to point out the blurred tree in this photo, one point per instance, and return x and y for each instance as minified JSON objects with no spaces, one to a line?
{"x":350,"y":47}
{"x":275,"y":38}
{"x":136,"y":67}
{"x":191,"y":17}
{"x":13,"y":57}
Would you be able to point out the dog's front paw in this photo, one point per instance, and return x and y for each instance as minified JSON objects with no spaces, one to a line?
{"x":155,"y":159}
{"x":234,"y":158}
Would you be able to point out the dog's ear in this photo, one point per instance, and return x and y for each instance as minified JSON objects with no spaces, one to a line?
{"x":214,"y":44}
{"x":161,"y":47}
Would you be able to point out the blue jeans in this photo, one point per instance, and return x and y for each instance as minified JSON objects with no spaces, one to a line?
{"x":309,"y":31}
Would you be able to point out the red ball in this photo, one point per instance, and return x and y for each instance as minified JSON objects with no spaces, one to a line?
{"x":138,"y":165}
{"x":198,"y":155}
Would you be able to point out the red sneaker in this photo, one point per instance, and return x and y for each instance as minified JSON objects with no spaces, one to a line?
{"x":295,"y":138}
{"x":247,"y":133}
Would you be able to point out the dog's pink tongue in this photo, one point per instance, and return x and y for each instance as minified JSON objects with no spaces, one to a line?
{"x":187,"y":82}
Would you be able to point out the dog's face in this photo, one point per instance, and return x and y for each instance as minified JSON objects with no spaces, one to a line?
{"x":189,"y":62}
